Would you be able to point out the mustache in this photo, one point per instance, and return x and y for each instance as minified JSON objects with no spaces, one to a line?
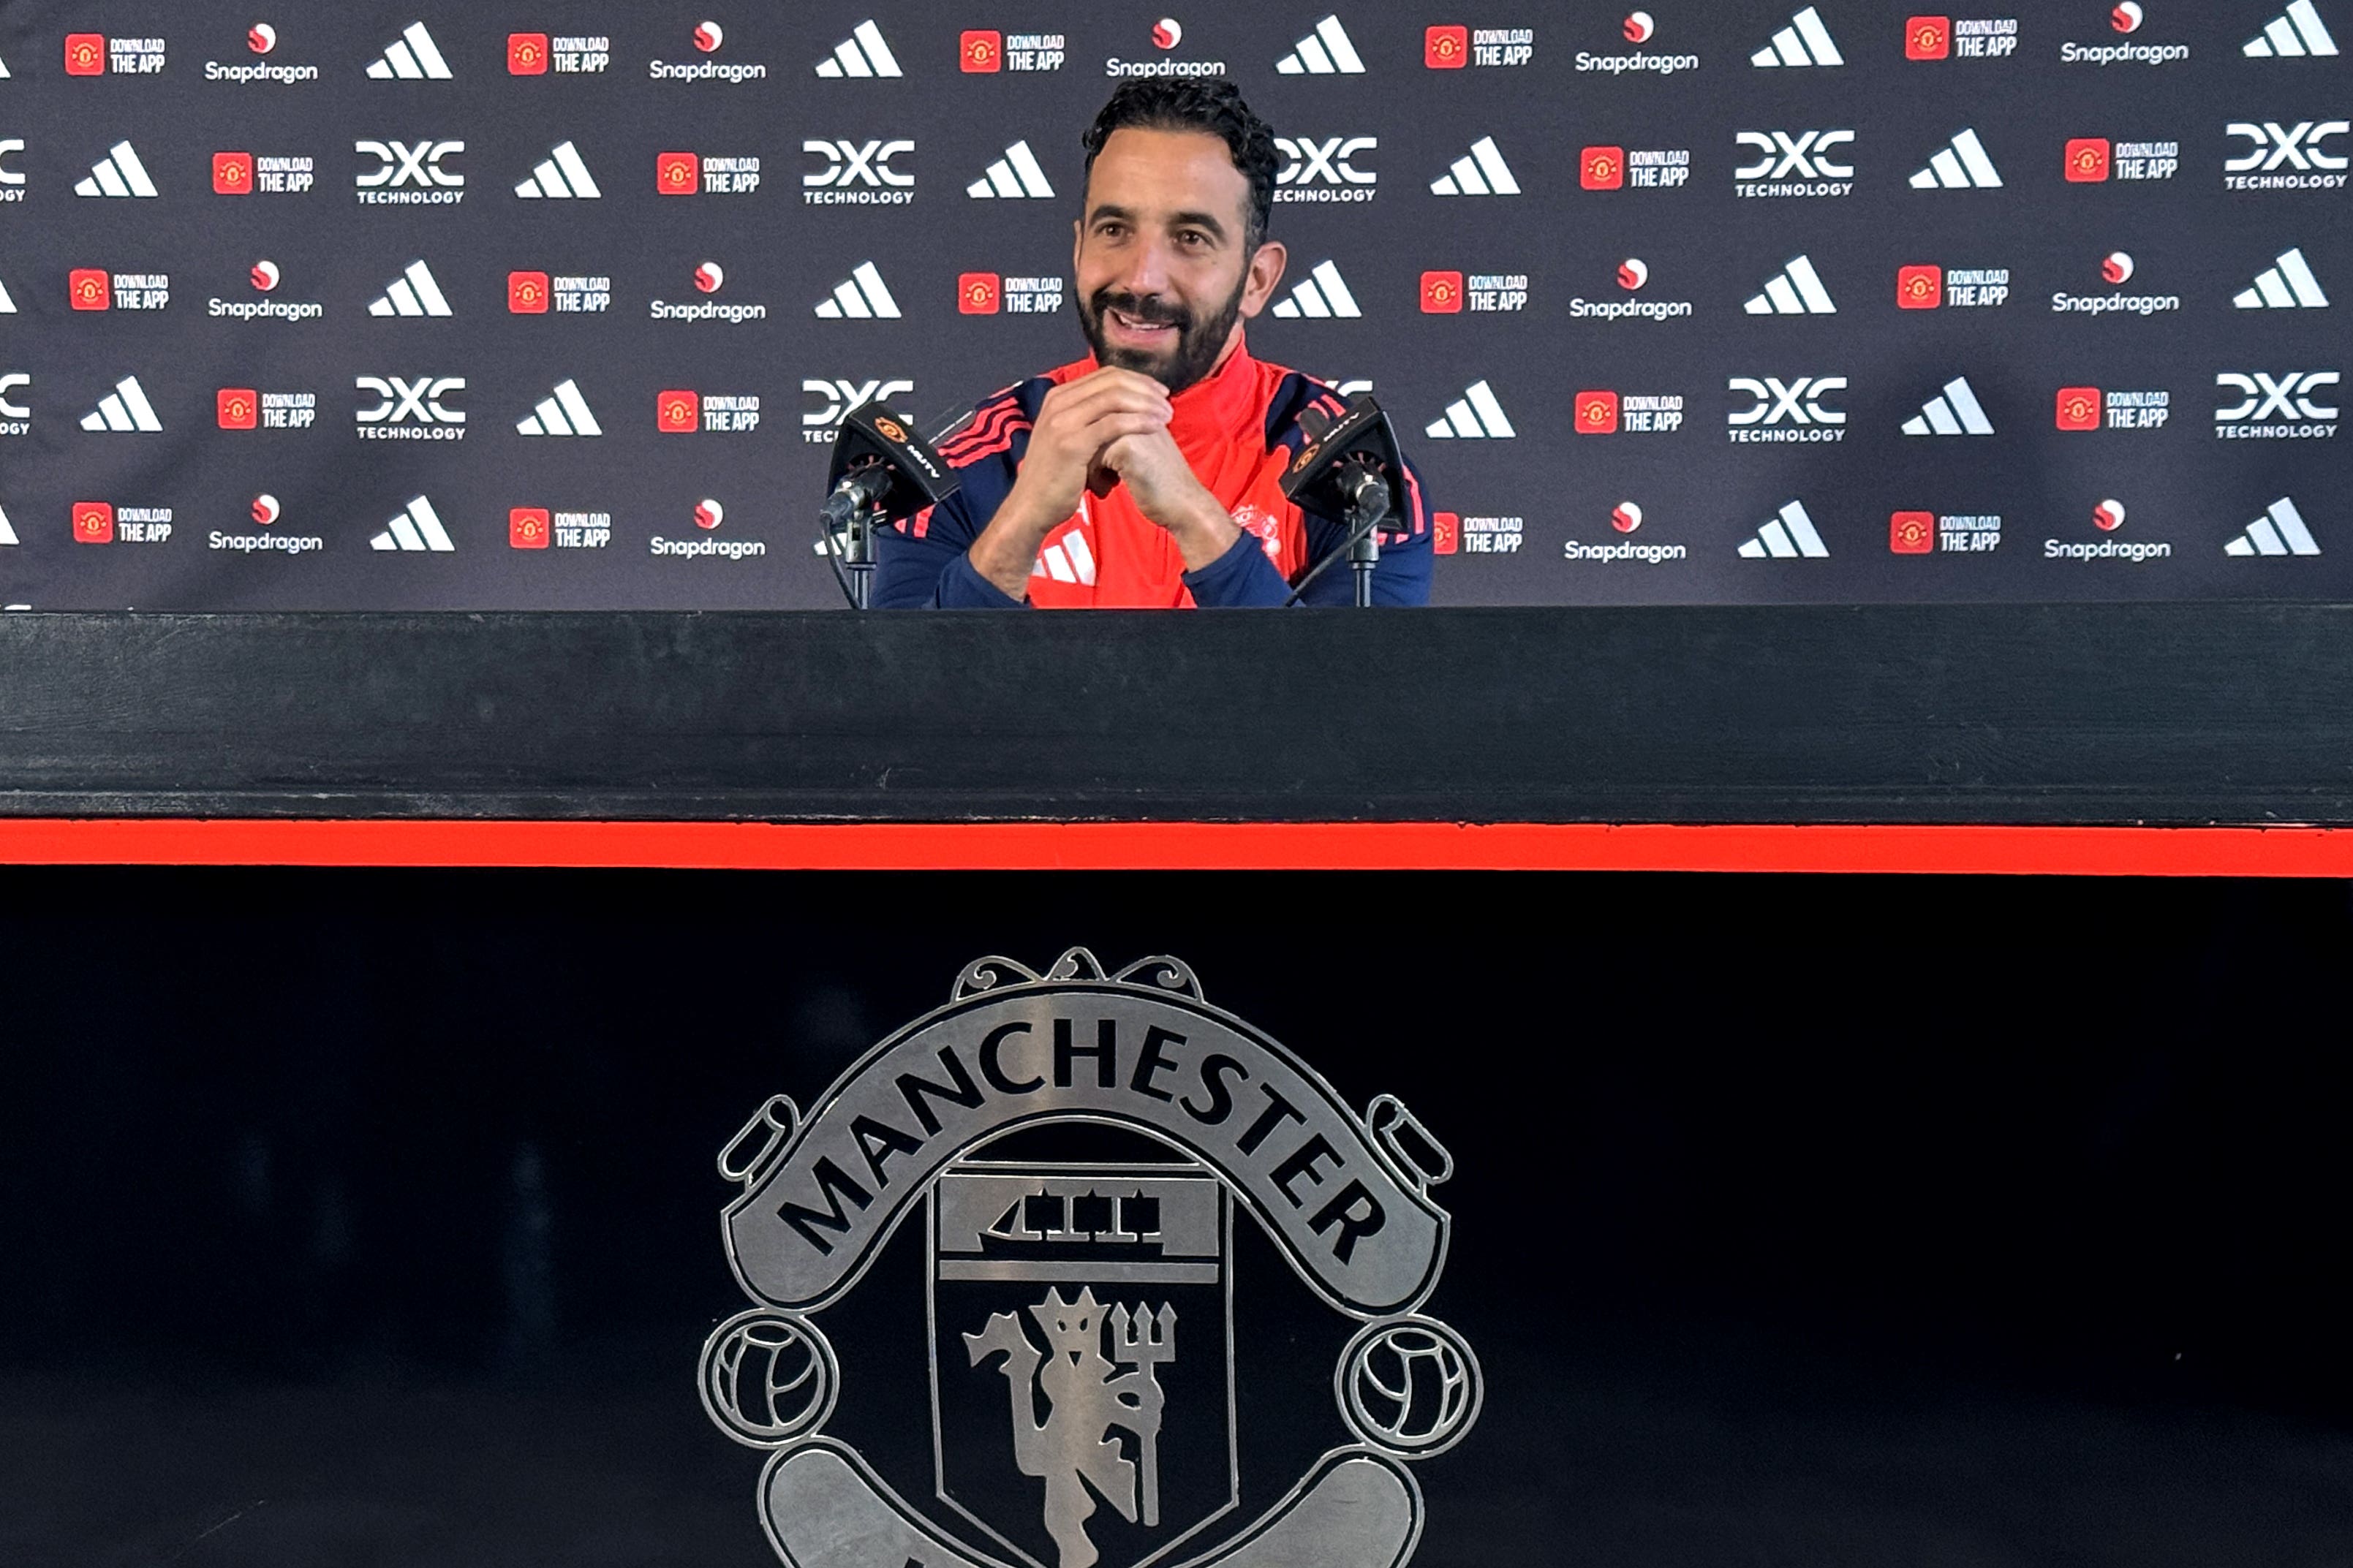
{"x":1142,"y":307}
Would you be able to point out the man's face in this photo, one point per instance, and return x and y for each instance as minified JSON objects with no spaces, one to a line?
{"x":1164,"y":281}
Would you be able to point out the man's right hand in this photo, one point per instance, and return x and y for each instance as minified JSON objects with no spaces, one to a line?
{"x":1075,"y":421}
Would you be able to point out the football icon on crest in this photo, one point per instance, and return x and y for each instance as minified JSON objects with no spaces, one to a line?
{"x":1075,"y":1159}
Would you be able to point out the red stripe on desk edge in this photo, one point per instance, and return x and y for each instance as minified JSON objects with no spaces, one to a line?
{"x":1186,"y":846}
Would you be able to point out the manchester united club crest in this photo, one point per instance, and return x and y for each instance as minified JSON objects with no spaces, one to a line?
{"x":1087,"y":1169}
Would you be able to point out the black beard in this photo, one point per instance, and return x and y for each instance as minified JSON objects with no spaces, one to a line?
{"x":1198,"y":344}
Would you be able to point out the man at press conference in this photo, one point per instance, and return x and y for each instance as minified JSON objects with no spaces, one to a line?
{"x":1146,"y":476}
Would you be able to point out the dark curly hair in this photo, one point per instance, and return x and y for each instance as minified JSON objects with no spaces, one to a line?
{"x":1212,"y":105}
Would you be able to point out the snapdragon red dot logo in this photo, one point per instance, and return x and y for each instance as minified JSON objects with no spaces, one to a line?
{"x":85,"y":54}
{"x":1446,"y":49}
{"x":266,"y":511}
{"x":708,"y":37}
{"x":2126,"y":16}
{"x":677,"y":412}
{"x":265,"y":275}
{"x":237,"y":407}
{"x":1597,"y":412}
{"x":1638,"y":28}
{"x":1167,"y":33}
{"x":2087,"y":159}
{"x":527,"y":528}
{"x":709,"y":277}
{"x":1602,"y":168}
{"x":1445,"y":533}
{"x":232,"y":173}
{"x":1632,"y":273}
{"x":1912,"y":533}
{"x":2108,"y":516}
{"x":528,"y":293}
{"x":88,"y":288}
{"x":93,"y":522}
{"x":527,"y":54}
{"x":1442,"y":293}
{"x":1927,"y":37}
{"x":979,"y":293}
{"x":2116,"y":268}
{"x":1625,"y":517}
{"x":981,"y":51}
{"x":261,"y":37}
{"x":1919,"y":287}
{"x":2079,"y":408}
{"x":709,"y":514}
{"x":678,"y":173}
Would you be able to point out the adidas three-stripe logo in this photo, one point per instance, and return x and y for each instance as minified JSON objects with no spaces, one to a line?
{"x":560,"y":176}
{"x":417,"y":526}
{"x":7,"y":305}
{"x":1326,"y":51}
{"x":2279,"y":532}
{"x":413,"y":293}
{"x":413,"y":56}
{"x":860,"y":296}
{"x":1013,"y":176}
{"x":1961,"y":166}
{"x":1789,"y":536}
{"x":2286,"y":284}
{"x":565,"y":413}
{"x":1483,"y":173}
{"x":1069,"y":561}
{"x":8,"y":532}
{"x":1955,"y":411}
{"x":119,"y":173}
{"x":1322,"y":294}
{"x":863,"y":53}
{"x":125,"y":408}
{"x":1796,"y":290}
{"x":4,"y":70}
{"x":1804,"y":42}
{"x":2297,"y":31}
{"x":1471,"y":417}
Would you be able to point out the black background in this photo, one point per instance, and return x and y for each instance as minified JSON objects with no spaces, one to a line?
{"x":368,"y":1217}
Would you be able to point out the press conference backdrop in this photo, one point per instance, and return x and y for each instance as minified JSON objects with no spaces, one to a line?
{"x":526,"y":306}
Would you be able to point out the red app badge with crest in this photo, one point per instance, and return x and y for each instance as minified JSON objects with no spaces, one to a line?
{"x":1597,"y":412}
{"x":232,"y":173}
{"x":1445,"y":533}
{"x":1602,"y":168}
{"x":1442,"y":293}
{"x":1919,"y":287}
{"x":527,"y":528}
{"x":979,"y":293}
{"x":981,"y":51}
{"x":237,"y":407}
{"x":93,"y":522}
{"x":85,"y":54}
{"x":527,"y":54}
{"x":1912,"y":533}
{"x":528,"y":293}
{"x":1446,"y":49}
{"x":88,"y":288}
{"x":1928,"y":38}
{"x":677,"y":411}
{"x":678,"y":173}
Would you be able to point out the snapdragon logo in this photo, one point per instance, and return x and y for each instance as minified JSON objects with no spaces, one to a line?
{"x":2108,"y":517}
{"x":709,"y":38}
{"x":410,"y":410}
{"x":1325,"y":169}
{"x":2285,"y":158}
{"x":710,"y":277}
{"x":1798,"y":163}
{"x":2116,"y":268}
{"x":1633,"y":275}
{"x":409,"y":174}
{"x":858,"y":174}
{"x":261,"y":39}
{"x":1784,"y":411}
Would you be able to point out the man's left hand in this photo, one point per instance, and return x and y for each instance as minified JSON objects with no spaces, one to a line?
{"x":1165,"y":491}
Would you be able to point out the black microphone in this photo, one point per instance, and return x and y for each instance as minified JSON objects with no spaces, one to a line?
{"x":1349,"y":467}
{"x":882,"y":465}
